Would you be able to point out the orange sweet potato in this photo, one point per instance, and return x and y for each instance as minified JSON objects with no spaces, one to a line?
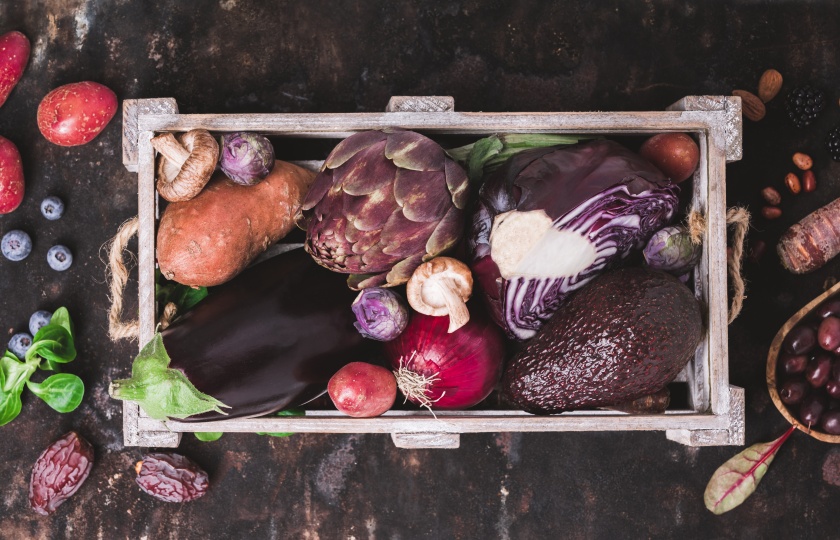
{"x":209,"y":239}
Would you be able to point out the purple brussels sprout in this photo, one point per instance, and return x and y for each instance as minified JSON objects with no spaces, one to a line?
{"x":381,"y":314}
{"x":246,"y":158}
{"x":671,"y":250}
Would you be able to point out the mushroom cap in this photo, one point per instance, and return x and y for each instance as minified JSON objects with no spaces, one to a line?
{"x":182,"y":183}
{"x":429,"y":284}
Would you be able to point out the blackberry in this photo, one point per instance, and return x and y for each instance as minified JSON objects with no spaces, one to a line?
{"x":832,"y":142}
{"x":804,"y":104}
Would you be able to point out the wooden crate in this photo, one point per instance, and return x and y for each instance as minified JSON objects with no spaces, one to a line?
{"x":715,"y":415}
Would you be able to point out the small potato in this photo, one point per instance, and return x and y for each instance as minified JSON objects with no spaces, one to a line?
{"x":209,"y":239}
{"x":76,"y":113}
{"x":11,"y":177}
{"x":675,"y":154}
{"x":363,"y":390}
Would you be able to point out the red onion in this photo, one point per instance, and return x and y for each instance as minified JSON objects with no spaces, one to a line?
{"x":440,"y":370}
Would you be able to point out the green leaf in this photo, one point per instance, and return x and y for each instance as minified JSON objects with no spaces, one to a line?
{"x":208,"y":436}
{"x":737,"y":479}
{"x":185,"y":298}
{"x":61,"y":317}
{"x":288,"y":412}
{"x":10,"y":405}
{"x":162,"y":392}
{"x":490,"y":152}
{"x":15,"y":373}
{"x":53,"y":342}
{"x":63,"y":391}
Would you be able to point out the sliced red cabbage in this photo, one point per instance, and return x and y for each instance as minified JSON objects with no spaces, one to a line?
{"x":551,"y":219}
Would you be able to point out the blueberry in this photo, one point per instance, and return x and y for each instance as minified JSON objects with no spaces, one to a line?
{"x":16,"y":245}
{"x":38,"y":320}
{"x":59,"y":258}
{"x":19,"y":344}
{"x":52,"y":207}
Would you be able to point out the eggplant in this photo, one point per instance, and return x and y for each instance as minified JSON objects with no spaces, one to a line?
{"x":269,"y":339}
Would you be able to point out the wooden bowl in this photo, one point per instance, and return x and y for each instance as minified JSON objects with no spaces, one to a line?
{"x":772,"y":363}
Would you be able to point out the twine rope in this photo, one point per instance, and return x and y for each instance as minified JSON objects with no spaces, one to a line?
{"x":739,"y":218}
{"x":117,"y":329}
{"x":118,"y":270}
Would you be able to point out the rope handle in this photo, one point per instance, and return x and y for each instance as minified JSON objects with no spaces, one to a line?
{"x":117,"y":329}
{"x":739,"y":218}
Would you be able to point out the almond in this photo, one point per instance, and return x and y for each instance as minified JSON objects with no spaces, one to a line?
{"x":751,"y":105}
{"x":769,"y":85}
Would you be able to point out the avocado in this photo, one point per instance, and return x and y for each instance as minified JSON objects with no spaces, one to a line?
{"x":625,"y":335}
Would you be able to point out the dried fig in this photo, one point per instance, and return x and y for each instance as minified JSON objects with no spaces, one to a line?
{"x":171,"y":477}
{"x":59,"y":472}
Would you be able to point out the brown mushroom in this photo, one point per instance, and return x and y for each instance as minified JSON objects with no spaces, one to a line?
{"x":187,"y":164}
{"x":440,"y":287}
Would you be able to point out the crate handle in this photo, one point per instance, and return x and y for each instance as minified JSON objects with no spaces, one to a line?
{"x":740,"y":218}
{"x":118,"y":271}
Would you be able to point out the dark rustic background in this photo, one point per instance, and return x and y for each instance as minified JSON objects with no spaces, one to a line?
{"x":234,"y":56}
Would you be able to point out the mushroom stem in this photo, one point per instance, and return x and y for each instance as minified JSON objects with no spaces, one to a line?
{"x":171,"y":149}
{"x":459,"y":315}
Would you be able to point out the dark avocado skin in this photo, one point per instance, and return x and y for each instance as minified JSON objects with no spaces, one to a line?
{"x":625,"y":335}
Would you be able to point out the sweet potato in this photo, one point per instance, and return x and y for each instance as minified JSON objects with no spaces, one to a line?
{"x":209,"y":239}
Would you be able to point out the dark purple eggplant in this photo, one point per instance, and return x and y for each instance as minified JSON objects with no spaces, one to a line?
{"x":269,"y":339}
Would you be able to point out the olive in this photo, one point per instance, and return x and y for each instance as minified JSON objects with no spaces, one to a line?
{"x":811,"y":409}
{"x":828,"y":334}
{"x":829,"y":308}
{"x":830,"y":422}
{"x":793,"y":363}
{"x":818,"y":370}
{"x":833,"y":388}
{"x":793,"y":391}
{"x":800,"y":340}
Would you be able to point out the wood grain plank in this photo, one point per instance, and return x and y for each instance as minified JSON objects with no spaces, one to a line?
{"x":336,"y":125}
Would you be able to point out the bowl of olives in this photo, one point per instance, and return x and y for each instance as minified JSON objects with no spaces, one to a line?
{"x":803,"y":368}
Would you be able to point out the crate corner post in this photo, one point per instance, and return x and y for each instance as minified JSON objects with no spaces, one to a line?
{"x":731,"y":435}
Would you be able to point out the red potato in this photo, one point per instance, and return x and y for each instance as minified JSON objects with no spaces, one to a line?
{"x":11,"y":176}
{"x":362,"y":390}
{"x":14,"y":55}
{"x":675,"y":154}
{"x":76,"y":113}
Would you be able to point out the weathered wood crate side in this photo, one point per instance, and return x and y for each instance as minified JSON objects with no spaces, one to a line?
{"x":716,"y":411}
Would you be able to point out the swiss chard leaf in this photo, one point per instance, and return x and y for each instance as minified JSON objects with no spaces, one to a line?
{"x":737,"y":479}
{"x":54,"y":343}
{"x":63,"y":391}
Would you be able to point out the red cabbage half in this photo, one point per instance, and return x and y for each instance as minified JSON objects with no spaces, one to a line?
{"x":551,"y":219}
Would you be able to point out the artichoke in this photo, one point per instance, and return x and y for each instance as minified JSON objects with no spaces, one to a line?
{"x":384,"y":202}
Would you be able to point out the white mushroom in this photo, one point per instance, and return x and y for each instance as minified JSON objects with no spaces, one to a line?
{"x":440,"y":287}
{"x":187,"y":164}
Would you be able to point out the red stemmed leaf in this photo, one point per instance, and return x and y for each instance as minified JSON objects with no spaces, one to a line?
{"x":737,"y":479}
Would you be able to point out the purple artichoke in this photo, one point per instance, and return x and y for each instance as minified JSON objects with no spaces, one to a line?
{"x":381,"y":314}
{"x":384,"y":203}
